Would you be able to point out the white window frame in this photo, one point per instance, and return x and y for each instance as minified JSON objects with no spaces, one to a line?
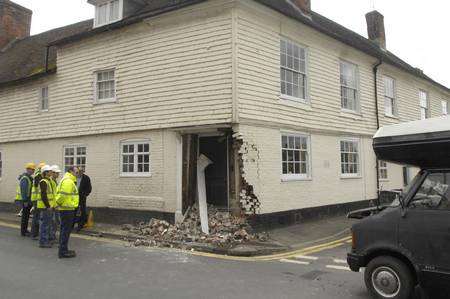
{"x":286,"y":96}
{"x":424,"y":108}
{"x":2,"y":159}
{"x":358,"y":142}
{"x":106,"y":100}
{"x":392,"y":98}
{"x":108,"y":19}
{"x":135,"y":173}
{"x":75,"y":156}
{"x":383,"y":168}
{"x":296,"y":176}
{"x":356,"y":88}
{"x":445,"y":107}
{"x":42,"y":98}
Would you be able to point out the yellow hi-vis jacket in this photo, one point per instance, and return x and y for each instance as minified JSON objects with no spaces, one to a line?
{"x":67,"y":198}
{"x":50,"y":196}
{"x":36,"y":190}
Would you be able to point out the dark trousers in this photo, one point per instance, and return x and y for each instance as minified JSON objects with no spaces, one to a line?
{"x":67,"y":218}
{"x":35,"y":221}
{"x":26,"y":208}
{"x":83,"y":213}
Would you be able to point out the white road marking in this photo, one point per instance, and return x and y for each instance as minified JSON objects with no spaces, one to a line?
{"x":338,"y":267}
{"x":338,"y":261}
{"x":294,"y":262}
{"x":306,"y":257}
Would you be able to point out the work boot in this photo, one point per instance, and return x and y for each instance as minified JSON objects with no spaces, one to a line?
{"x":25,"y":234}
{"x":35,"y":238}
{"x":45,"y":245}
{"x":66,"y":255}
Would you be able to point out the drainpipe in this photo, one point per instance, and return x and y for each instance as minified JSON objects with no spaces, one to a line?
{"x":375,"y":76}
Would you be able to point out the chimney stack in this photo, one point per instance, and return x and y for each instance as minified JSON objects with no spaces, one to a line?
{"x":375,"y":28}
{"x":303,"y":5}
{"x":15,"y":22}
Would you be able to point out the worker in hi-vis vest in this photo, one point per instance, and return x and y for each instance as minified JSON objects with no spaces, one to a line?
{"x":45,"y":206}
{"x":67,"y":201}
{"x":55,"y":221}
{"x":23,"y":196}
{"x":35,"y":195}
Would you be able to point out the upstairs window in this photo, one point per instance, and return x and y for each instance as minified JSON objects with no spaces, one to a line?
{"x":424,"y":105}
{"x":292,"y":70}
{"x":74,"y":156}
{"x":135,"y":158}
{"x":107,"y":12}
{"x":445,"y":108}
{"x":105,"y":86}
{"x":43,"y":99}
{"x":349,"y":86}
{"x":389,"y":96}
{"x":350,"y":158}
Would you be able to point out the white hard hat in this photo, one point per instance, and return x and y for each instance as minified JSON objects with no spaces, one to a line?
{"x":46,"y":168}
{"x":55,"y":168}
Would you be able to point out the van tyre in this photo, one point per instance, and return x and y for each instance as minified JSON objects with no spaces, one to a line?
{"x":389,"y":278}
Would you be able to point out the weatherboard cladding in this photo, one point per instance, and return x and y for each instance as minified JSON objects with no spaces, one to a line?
{"x":36,"y":45}
{"x":179,"y":75}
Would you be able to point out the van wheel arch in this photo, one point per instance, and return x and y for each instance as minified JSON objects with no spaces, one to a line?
{"x":395,"y":254}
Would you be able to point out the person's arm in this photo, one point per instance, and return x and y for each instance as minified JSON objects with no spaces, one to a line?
{"x":44,"y":198}
{"x":25,"y":190}
{"x":88,"y":186}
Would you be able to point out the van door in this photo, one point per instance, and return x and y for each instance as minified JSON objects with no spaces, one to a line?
{"x":425,"y":229}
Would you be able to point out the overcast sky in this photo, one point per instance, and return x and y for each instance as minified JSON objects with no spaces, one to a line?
{"x":417,"y":31}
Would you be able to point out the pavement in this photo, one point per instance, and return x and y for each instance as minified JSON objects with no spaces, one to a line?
{"x":283,"y":239}
{"x":107,"y":268}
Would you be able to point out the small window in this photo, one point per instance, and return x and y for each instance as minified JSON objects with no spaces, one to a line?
{"x":445,"y":108}
{"x":295,"y":156}
{"x":105,"y":86}
{"x":424,"y":105}
{"x":383,"y":170}
{"x":349,"y":86}
{"x":135,"y":158}
{"x":43,"y":99}
{"x":293,"y":70}
{"x":389,"y":96}
{"x":1,"y":164}
{"x":108,"y":12}
{"x":350,"y":158}
{"x":74,"y":156}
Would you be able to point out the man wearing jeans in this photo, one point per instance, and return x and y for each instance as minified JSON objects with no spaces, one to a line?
{"x":45,"y":205}
{"x":67,"y":200}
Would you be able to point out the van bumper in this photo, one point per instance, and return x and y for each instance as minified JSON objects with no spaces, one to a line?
{"x":355,"y":261}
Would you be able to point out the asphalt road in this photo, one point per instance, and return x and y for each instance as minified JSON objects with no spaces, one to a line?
{"x":109,"y":270}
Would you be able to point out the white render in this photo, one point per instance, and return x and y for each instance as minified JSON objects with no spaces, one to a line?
{"x":206,"y":66}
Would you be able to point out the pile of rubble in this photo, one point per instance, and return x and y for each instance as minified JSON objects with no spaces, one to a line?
{"x":225,"y":231}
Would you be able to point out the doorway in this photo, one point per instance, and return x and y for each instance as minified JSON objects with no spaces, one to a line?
{"x":216,"y":174}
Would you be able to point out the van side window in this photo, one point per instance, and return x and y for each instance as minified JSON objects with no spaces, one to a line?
{"x":434,"y":193}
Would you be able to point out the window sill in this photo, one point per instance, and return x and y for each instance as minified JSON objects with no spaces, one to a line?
{"x":295,"y":102}
{"x":351,"y":114}
{"x":356,"y":176}
{"x":391,"y":116}
{"x":384,"y":180}
{"x":43,"y":111}
{"x":135,"y":175}
{"x":294,"y":178}
{"x":105,"y":101}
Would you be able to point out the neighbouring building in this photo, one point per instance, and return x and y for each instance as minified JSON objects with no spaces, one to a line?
{"x":283,"y":100}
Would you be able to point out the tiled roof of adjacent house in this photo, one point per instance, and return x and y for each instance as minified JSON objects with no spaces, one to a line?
{"x":26,"y":58}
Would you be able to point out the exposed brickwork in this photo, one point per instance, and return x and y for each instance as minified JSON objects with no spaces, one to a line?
{"x":15,"y":22}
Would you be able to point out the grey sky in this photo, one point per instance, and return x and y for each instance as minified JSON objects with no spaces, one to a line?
{"x":417,"y":31}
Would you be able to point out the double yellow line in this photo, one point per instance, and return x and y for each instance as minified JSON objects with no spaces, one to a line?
{"x":284,"y":255}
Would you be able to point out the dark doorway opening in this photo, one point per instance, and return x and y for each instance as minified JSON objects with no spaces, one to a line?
{"x":216,"y":174}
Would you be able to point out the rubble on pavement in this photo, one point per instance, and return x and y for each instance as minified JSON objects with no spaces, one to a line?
{"x":225,"y":231}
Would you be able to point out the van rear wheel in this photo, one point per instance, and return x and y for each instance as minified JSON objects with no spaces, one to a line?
{"x":388,"y":278}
